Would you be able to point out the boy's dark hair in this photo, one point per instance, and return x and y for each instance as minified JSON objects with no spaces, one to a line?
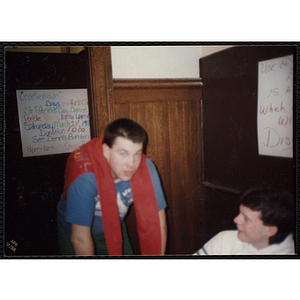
{"x":125,"y":128}
{"x":276,"y":207}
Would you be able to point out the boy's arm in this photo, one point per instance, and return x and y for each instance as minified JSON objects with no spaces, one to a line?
{"x":82,"y":240}
{"x":163,"y":230}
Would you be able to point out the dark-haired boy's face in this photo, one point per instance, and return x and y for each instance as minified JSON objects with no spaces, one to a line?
{"x":124,"y":158}
{"x":251,"y":228}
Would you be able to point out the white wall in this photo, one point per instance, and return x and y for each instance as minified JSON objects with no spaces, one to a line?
{"x":159,"y":61}
{"x":206,"y":50}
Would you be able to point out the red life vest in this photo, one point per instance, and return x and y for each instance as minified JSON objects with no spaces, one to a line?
{"x":89,"y":159}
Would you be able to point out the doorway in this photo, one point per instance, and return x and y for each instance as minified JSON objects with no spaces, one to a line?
{"x":33,"y":185}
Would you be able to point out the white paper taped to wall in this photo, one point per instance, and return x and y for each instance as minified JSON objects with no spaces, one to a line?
{"x":275,"y":107}
{"x":53,"y":121}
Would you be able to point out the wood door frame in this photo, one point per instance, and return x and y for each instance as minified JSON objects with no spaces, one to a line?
{"x":100,"y":88}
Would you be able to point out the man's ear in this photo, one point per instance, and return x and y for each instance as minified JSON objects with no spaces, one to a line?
{"x":105,"y":149}
{"x":272,"y":230}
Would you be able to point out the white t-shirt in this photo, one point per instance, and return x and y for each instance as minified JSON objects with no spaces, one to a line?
{"x":227,"y":243}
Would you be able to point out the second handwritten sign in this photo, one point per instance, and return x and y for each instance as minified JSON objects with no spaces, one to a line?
{"x":275,"y":107}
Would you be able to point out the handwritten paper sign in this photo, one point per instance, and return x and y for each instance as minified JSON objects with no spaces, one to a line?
{"x":53,"y":121}
{"x":275,"y":107}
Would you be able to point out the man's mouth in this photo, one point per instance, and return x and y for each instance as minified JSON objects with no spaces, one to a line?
{"x":239,"y":230}
{"x":128,"y":173}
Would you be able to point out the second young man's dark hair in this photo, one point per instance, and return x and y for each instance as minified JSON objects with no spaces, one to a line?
{"x":125,"y":128}
{"x":276,"y":207}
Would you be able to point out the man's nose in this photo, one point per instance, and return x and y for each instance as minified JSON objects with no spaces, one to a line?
{"x":236,"y":220}
{"x":130,"y":161}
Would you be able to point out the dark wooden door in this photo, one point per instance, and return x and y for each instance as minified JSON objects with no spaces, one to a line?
{"x":230,"y":92}
{"x":33,"y":185}
{"x":232,"y":164}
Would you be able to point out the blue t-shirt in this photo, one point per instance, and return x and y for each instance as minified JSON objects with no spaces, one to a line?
{"x":82,"y":206}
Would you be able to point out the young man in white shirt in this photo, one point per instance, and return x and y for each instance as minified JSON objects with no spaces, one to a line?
{"x":264,"y":226}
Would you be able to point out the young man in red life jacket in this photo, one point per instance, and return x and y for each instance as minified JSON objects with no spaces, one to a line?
{"x":102,"y":179}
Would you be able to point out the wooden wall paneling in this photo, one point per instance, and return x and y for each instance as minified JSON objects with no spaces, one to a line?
{"x":134,"y":111}
{"x":162,"y":142}
{"x":162,"y":160}
{"x":187,"y":198}
{"x":149,"y":125}
{"x":196,"y":211}
{"x":177,"y":177}
{"x":121,"y":111}
{"x":192,"y":140}
{"x":173,"y":125}
{"x":186,"y":172}
{"x":199,"y":193}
